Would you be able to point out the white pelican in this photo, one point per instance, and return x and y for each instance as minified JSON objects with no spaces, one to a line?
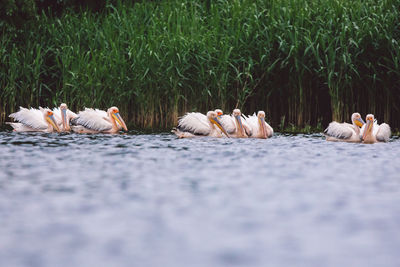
{"x":234,"y":125}
{"x":34,"y":120}
{"x":345,"y":132}
{"x":372,"y":132}
{"x":63,"y":117}
{"x":259,"y":127}
{"x":98,"y":121}
{"x":197,"y":124}
{"x":105,"y":116}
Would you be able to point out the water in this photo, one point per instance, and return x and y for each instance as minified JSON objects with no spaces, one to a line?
{"x":154,"y":200}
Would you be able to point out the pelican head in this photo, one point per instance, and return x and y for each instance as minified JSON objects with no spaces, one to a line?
{"x":114,"y":113}
{"x":368,"y":128}
{"x":49,"y":118}
{"x":236,"y":112}
{"x":213,"y":118}
{"x":63,"y":109}
{"x":219,"y":112}
{"x":238,"y":117}
{"x":357,"y":120}
{"x":261,"y":121}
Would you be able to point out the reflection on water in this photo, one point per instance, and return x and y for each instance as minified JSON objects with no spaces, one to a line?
{"x":154,"y":200}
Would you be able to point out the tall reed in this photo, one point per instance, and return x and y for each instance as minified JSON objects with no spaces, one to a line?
{"x":304,"y":62}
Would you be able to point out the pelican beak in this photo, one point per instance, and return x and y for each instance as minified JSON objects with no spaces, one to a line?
{"x":120,"y":121}
{"x":367,"y":129}
{"x":263,"y":128}
{"x":52,"y":121}
{"x":239,"y":120}
{"x":64,"y":118}
{"x":359,"y":122}
{"x":219,"y":125}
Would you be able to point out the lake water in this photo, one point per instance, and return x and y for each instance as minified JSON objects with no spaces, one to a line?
{"x":154,"y":200}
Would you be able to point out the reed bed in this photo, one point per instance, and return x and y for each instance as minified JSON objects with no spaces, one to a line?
{"x":304,"y":62}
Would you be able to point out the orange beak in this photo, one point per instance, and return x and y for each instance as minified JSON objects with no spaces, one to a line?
{"x":120,"y":121}
{"x":368,"y":128}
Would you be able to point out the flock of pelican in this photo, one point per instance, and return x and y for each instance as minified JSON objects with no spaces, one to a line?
{"x":359,"y":131}
{"x":62,"y":119}
{"x":193,"y":124}
{"x":216,"y":124}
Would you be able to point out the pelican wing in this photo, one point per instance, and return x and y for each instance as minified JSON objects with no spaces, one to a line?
{"x":101,"y":113}
{"x":32,"y":118}
{"x":247,"y":128}
{"x":270,"y":130}
{"x":93,"y":120}
{"x":228,"y":122}
{"x":339,"y":130}
{"x":19,"y":127}
{"x":195,"y":123}
{"x":252,"y":122}
{"x":71,"y":115}
{"x":383,"y":133}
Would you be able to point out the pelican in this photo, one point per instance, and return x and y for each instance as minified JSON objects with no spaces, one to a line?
{"x":259,"y":127}
{"x":98,"y":121}
{"x":196,"y":124}
{"x":63,"y":117}
{"x":34,"y":120}
{"x":345,"y":132}
{"x":105,"y":116}
{"x":372,"y":132}
{"x":235,"y":126}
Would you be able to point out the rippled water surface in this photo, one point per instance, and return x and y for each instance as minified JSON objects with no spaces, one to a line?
{"x":154,"y":200}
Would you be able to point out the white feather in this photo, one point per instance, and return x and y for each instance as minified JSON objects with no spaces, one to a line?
{"x":101,"y":113}
{"x":195,"y":123}
{"x":252,"y":121}
{"x":228,"y":122}
{"x":32,"y":118}
{"x":341,"y":130}
{"x":383,"y":134}
{"x":19,"y":127}
{"x":93,"y":120}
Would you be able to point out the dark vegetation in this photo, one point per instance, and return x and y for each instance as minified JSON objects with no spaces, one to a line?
{"x":304,"y":62}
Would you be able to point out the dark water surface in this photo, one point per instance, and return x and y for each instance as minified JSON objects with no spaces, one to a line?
{"x":153,"y":200}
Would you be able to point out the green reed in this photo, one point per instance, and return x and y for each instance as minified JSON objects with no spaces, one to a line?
{"x":304,"y":62}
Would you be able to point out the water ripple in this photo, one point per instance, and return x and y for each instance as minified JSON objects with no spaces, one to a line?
{"x":102,"y":200}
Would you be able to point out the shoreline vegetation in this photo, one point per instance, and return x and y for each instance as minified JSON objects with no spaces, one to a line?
{"x":304,"y":62}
